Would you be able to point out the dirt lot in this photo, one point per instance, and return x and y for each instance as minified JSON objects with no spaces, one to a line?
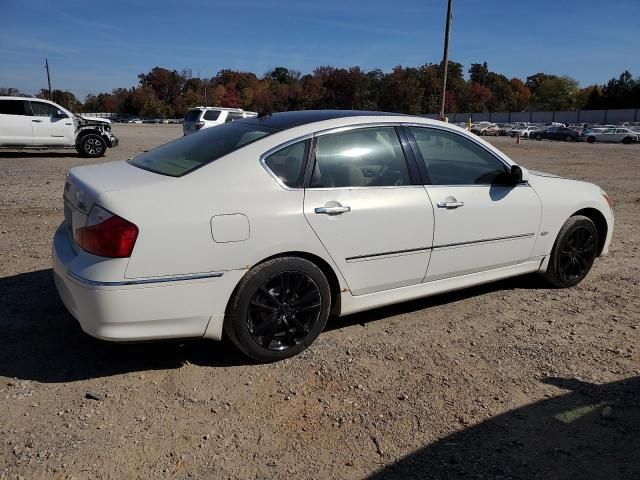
{"x":509,"y":380}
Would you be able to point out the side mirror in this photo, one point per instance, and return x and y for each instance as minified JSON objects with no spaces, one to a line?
{"x":61,"y":114}
{"x":517,"y":176}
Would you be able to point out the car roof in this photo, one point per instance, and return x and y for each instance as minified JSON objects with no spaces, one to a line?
{"x":287,"y":120}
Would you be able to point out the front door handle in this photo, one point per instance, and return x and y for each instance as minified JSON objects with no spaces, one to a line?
{"x":334,"y":210}
{"x":37,"y":121}
{"x":450,"y":204}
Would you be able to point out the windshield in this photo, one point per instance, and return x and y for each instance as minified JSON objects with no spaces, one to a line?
{"x":188,"y":153}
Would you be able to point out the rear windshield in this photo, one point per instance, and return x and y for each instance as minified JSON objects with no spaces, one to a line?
{"x":193,"y":116}
{"x":188,"y":153}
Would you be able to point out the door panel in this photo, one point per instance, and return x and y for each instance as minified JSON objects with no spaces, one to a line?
{"x":363,"y":206}
{"x":494,"y":226}
{"x":481,"y":221}
{"x":382,"y":242}
{"x":48,"y":129}
{"x":15,"y":123}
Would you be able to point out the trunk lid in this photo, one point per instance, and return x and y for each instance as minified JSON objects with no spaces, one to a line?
{"x":85,"y":184}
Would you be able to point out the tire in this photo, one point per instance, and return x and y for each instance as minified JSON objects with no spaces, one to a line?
{"x":573,"y":253}
{"x":538,"y":137}
{"x":591,"y":139}
{"x":278,"y":309}
{"x":568,"y":138}
{"x":92,"y":146}
{"x":626,"y":140}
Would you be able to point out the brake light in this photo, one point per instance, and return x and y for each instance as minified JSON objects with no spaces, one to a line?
{"x":106,"y":234}
{"x":199,"y":125}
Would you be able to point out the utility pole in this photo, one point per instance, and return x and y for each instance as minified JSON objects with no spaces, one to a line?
{"x":445,"y":60}
{"x":46,"y":66}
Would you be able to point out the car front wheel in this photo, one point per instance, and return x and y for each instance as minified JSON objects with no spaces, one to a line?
{"x":573,"y":253}
{"x":278,"y":309}
{"x":538,"y":137}
{"x":92,"y":146}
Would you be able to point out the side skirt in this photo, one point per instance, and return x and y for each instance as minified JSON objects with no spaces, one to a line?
{"x":353,"y":304}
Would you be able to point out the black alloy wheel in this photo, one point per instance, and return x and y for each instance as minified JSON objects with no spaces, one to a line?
{"x":278,"y":308}
{"x":284,"y":310}
{"x":577,"y":253}
{"x":574,"y":252}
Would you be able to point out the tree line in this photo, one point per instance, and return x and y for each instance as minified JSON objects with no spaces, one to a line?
{"x":164,"y":93}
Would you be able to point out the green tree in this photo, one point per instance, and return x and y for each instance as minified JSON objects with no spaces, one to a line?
{"x":555,"y":93}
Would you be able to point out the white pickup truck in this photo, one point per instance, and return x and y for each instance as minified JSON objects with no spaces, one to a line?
{"x":38,"y":123}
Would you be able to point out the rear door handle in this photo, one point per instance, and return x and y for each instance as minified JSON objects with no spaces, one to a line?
{"x":450,"y":204}
{"x":336,"y":210}
{"x":37,"y":121}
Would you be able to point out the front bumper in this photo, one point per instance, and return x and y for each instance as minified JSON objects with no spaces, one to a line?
{"x":113,"y":140}
{"x":144,"y":309}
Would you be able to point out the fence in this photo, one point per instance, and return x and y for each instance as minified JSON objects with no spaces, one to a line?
{"x":574,"y":116}
{"x":100,"y":115}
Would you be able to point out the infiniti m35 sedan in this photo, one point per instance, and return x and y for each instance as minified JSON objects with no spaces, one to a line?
{"x":261,"y":228}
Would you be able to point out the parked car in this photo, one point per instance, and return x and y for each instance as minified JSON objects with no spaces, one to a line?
{"x":557,"y":133}
{"x":486,"y":130}
{"x":504,"y":129}
{"x":613,"y":135}
{"x":273,"y":223}
{"x":135,"y":120}
{"x":524,"y":132}
{"x":200,"y":118}
{"x":38,"y":123}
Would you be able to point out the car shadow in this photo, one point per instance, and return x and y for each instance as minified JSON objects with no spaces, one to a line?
{"x":590,"y":433}
{"x":527,"y":282}
{"x":41,"y":341}
{"x":38,"y":154}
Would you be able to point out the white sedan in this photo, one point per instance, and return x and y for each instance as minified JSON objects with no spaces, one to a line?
{"x":613,"y":135}
{"x":263,"y":227}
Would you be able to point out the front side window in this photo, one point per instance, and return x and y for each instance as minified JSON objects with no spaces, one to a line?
{"x":364,"y":157}
{"x":188,"y":153}
{"x":288,"y":164}
{"x":13,"y":107}
{"x":41,"y":109}
{"x":452,"y":159}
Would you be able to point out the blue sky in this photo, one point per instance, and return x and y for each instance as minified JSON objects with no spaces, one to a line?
{"x":96,"y":46}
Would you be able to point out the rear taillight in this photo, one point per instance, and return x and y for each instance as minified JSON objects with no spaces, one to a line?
{"x":106,"y":234}
{"x":199,"y":125}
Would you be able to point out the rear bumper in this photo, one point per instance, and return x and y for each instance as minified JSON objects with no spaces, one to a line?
{"x":144,"y":309}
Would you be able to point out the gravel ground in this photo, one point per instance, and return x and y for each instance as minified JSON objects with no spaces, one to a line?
{"x":508,"y":380}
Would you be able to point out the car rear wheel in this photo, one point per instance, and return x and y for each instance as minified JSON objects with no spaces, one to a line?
{"x":538,"y":137}
{"x":626,"y":140}
{"x":278,"y":309}
{"x":573,"y":253}
{"x":591,"y":139}
{"x":92,"y":146}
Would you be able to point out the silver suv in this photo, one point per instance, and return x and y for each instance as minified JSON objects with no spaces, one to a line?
{"x":199,"y":118}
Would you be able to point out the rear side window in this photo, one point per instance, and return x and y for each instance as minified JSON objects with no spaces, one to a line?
{"x":364,"y":157}
{"x":288,"y":164}
{"x":41,"y":109}
{"x":193,"y":116}
{"x":13,"y":107}
{"x":188,"y":153}
{"x":211,"y":115}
